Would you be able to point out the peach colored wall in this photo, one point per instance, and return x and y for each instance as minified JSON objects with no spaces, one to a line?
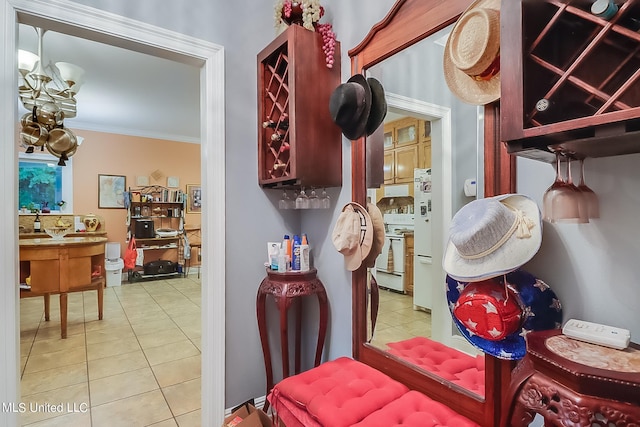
{"x":131,"y":156}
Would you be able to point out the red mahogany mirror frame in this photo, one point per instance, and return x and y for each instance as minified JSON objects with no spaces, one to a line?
{"x":408,"y":22}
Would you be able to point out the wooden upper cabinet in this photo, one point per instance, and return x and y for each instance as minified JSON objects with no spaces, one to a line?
{"x":569,"y":79}
{"x":299,"y":145}
{"x":406,"y":160}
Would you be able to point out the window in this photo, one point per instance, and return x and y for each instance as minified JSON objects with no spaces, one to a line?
{"x":42,"y":183}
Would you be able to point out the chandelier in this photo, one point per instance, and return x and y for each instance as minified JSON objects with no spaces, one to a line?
{"x":48,"y":91}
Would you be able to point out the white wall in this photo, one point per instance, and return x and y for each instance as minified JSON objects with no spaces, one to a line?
{"x":593,"y":268}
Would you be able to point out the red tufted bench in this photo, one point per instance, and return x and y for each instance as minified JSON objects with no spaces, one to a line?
{"x":345,"y":392}
{"x":446,"y":362}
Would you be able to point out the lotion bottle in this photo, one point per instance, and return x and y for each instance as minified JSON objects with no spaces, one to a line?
{"x":295,"y":258}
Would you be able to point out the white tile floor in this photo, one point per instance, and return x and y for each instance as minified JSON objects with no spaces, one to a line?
{"x":139,"y":366}
{"x":398,"y":321}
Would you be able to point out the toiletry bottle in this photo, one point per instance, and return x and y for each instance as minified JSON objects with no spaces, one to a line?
{"x":305,"y":264}
{"x":295,"y":257}
{"x":282,"y":261}
{"x":286,"y":245}
{"x":36,"y":224}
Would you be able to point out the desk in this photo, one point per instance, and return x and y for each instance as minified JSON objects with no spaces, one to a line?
{"x":70,"y":264}
{"x":571,"y":383}
{"x":287,"y":288}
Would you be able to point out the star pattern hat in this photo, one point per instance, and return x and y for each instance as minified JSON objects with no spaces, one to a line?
{"x":494,"y":315}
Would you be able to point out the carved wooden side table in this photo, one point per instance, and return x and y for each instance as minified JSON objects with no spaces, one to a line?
{"x":287,"y":288}
{"x":572,"y":383}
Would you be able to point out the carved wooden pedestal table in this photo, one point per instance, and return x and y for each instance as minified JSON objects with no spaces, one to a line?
{"x":287,"y":288}
{"x":573,"y":383}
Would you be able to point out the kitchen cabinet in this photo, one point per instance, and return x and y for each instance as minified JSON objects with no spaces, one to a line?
{"x":156,"y":219}
{"x":299,"y":145}
{"x":569,"y":79}
{"x":408,"y":263}
{"x":406,"y":148}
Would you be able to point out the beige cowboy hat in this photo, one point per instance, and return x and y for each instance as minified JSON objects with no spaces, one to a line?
{"x":378,"y":235}
{"x":472,"y":54}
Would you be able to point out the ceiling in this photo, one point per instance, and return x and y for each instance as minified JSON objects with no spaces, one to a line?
{"x":125,"y":92}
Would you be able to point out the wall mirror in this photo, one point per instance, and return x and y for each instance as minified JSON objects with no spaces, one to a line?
{"x":414,"y":168}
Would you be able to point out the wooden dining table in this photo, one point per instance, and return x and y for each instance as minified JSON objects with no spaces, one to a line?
{"x":60,"y":266}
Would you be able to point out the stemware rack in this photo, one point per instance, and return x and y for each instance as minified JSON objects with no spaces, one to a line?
{"x":298,"y":143}
{"x":570,"y":79}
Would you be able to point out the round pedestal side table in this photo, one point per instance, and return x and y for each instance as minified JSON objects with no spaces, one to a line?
{"x":573,"y":383}
{"x":287,"y":288}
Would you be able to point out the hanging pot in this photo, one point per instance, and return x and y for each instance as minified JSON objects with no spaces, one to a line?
{"x":34,"y":134}
{"x":50,"y":115}
{"x":61,"y":141}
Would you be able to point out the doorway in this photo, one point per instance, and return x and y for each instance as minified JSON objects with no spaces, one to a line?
{"x":94,"y":24}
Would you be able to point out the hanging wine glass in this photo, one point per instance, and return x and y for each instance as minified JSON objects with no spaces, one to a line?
{"x":558,"y":201}
{"x":285,"y":201}
{"x":302,"y":201}
{"x":314,"y":200}
{"x":577,"y":197}
{"x":593,"y":204}
{"x":325,"y":200}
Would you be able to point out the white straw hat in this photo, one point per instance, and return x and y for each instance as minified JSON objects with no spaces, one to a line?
{"x":472,"y":54}
{"x":491,"y":237}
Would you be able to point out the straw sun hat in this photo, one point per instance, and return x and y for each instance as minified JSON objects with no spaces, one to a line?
{"x":472,"y":54}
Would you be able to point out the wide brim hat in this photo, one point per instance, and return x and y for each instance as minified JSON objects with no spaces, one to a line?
{"x":472,"y":54}
{"x":350,"y":105}
{"x":492,"y":236}
{"x":540,"y":310}
{"x":378,"y":106}
{"x":377,"y":221}
{"x":353,"y":235}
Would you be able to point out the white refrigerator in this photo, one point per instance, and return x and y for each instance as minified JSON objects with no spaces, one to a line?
{"x":423,"y":261}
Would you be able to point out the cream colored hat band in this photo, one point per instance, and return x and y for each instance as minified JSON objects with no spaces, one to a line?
{"x":521,"y":226}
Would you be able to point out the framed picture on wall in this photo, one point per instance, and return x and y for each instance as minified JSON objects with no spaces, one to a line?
{"x":111,"y":190}
{"x":194,"y":198}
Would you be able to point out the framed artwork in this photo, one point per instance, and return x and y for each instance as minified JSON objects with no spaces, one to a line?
{"x":111,"y":190}
{"x":173,"y":181}
{"x":194,"y":198}
{"x":142,"y":181}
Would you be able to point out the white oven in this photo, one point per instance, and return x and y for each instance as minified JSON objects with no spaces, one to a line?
{"x":389,"y":270}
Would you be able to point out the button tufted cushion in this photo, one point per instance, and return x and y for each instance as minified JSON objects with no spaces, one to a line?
{"x":414,"y":409}
{"x":446,"y":362}
{"x":338,"y":393}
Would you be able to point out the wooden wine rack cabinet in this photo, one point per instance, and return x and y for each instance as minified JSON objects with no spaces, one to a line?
{"x":583,"y":68}
{"x":298,"y":143}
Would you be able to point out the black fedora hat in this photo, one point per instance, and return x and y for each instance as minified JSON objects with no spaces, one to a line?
{"x":350,"y":105}
{"x":378,"y":106}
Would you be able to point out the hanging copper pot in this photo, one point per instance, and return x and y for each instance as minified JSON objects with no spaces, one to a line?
{"x":34,"y":134}
{"x":62,"y":143}
{"x":49,"y":114}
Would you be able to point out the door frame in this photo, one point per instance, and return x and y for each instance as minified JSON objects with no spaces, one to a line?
{"x":91,"y":23}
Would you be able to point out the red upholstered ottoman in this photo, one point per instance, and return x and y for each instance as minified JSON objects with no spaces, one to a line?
{"x":339,"y":393}
{"x":414,"y":409}
{"x":446,"y":362}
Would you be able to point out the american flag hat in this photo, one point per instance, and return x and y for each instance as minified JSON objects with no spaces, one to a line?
{"x":496,"y":314}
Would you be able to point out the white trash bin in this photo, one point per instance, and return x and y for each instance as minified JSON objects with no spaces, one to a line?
{"x":114,"y":271}
{"x":113,"y":264}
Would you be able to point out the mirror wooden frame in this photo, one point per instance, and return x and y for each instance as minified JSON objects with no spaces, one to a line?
{"x":408,"y":22}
